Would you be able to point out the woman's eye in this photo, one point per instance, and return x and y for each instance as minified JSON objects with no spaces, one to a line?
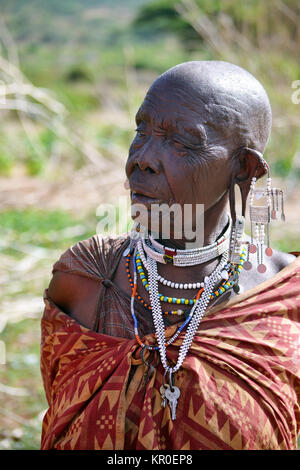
{"x":140,"y":133}
{"x":179,"y":145}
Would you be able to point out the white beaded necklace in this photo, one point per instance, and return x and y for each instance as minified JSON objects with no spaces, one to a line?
{"x":165,"y":282}
{"x":150,"y":255}
{"x":188,"y":257}
{"x":196,"y":313}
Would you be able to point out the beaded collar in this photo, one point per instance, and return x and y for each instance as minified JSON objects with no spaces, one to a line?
{"x":190,"y":257}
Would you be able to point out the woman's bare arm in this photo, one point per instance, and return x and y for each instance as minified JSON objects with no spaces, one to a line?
{"x":75,"y":295}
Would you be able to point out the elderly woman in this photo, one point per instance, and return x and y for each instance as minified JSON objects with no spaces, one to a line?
{"x":154,"y":343}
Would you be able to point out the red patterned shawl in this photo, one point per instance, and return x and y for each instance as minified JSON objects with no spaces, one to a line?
{"x":240,"y":382}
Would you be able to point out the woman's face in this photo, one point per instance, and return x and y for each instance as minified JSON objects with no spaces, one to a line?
{"x":178,"y":155}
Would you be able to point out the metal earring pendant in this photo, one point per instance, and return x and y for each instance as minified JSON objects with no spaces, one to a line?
{"x":247,"y":264}
{"x":260,"y":218}
{"x":277,"y":199}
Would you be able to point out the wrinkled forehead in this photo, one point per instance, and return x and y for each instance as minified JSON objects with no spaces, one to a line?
{"x":181,"y":104}
{"x":226,"y":101}
{"x":172,"y":105}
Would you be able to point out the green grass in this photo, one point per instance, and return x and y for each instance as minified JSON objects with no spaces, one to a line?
{"x":22,"y":370}
{"x":38,"y":227}
{"x":49,"y":230}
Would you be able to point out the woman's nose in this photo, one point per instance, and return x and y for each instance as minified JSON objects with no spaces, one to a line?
{"x":147,"y":157}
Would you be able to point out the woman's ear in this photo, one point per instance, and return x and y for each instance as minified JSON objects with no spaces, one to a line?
{"x":249,"y":163}
{"x":252,"y":164}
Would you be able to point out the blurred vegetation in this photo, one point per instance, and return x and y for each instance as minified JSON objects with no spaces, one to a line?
{"x":72,"y":75}
{"x":31,"y":242}
{"x":88,"y":55}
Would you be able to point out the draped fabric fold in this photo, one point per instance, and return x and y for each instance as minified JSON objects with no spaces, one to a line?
{"x":240,"y":382}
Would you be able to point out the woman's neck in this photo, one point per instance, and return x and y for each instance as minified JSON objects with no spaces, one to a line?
{"x":213,"y":223}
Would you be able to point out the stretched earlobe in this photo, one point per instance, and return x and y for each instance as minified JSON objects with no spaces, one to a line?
{"x":244,"y":190}
{"x":232,"y":201}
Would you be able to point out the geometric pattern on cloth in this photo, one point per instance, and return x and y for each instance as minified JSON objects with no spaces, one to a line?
{"x":240,"y":382}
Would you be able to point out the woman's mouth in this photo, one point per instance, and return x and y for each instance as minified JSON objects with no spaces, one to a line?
{"x":139,"y":198}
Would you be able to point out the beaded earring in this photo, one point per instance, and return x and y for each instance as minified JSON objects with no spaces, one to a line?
{"x":260,"y":218}
{"x":236,"y":240}
{"x":237,"y":229}
{"x":236,"y":252}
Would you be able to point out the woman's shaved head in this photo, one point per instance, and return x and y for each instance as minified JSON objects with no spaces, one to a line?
{"x":201,"y":129}
{"x":227,"y":98}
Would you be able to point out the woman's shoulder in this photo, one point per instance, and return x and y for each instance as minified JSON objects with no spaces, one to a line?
{"x":74,"y":286}
{"x":278,"y":264}
{"x":280,"y":259}
{"x":92,"y":257}
{"x":274,"y":263}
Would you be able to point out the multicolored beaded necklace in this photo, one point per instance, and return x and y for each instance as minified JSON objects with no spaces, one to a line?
{"x":233,"y":274}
